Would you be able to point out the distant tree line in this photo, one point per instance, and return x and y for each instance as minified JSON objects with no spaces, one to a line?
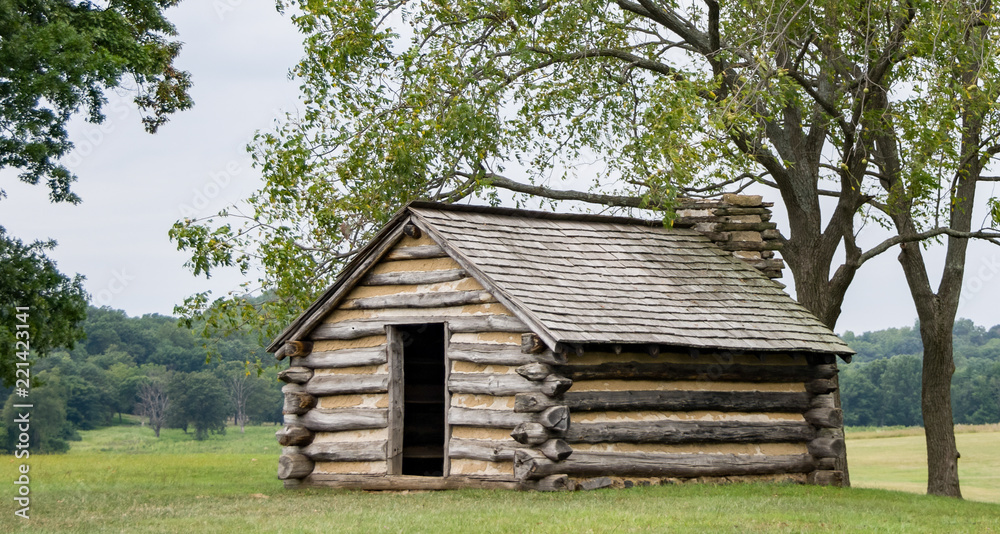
{"x":148,"y":366}
{"x":882,"y":386}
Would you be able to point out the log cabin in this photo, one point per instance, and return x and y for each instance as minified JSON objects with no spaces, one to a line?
{"x":470,"y":346}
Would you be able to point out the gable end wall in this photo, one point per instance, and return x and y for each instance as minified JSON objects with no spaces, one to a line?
{"x":348,"y":414}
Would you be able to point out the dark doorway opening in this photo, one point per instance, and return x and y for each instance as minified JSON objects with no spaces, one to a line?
{"x":423,"y":399}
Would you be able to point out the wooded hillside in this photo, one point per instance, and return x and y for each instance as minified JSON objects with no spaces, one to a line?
{"x":882,"y":386}
{"x":149,"y":366}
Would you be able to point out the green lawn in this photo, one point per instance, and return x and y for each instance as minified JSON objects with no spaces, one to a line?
{"x":121,"y":479}
{"x":896,"y":459}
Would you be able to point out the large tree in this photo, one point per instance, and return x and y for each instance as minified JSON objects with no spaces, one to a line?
{"x":58,"y":58}
{"x":198,"y":399}
{"x":853,"y":112}
{"x":36,"y":294}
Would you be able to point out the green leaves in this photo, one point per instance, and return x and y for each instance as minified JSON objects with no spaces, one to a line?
{"x":53,"y":304}
{"x":57,"y":57}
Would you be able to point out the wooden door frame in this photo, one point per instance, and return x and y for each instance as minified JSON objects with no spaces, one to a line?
{"x":394,"y":356}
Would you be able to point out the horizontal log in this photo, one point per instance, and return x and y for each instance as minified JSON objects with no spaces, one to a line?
{"x":297,"y":348}
{"x":291,"y":436}
{"x":408,"y":482}
{"x":375,"y":326}
{"x":532,"y":465}
{"x":532,"y":344}
{"x":413,"y":277}
{"x":825,"y":417}
{"x":724,"y":401}
{"x":690,"y":432}
{"x":555,"y":385}
{"x":530,"y":433}
{"x":491,"y":384}
{"x":350,"y":329}
{"x":436,"y":299}
{"x":836,"y":433}
{"x":716,"y":372}
{"x":535,"y":372}
{"x":412,"y":230}
{"x":822,"y":359}
{"x":489,"y":354}
{"x":295,"y":375}
{"x":556,"y":450}
{"x":419,"y":252}
{"x":346,"y":451}
{"x":487,"y":418}
{"x":336,"y":359}
{"x":823,"y":401}
{"x":485,"y":450}
{"x":499,"y":354}
{"x":826,"y":464}
{"x":821,"y":386}
{"x":556,"y":418}
{"x":551,"y":357}
{"x":324,"y":420}
{"x":292,"y":466}
{"x":827,"y":447}
{"x":322,"y":385}
{"x":297,"y":402}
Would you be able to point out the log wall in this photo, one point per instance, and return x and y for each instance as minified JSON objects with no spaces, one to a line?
{"x":643,"y":417}
{"x":522,"y":415}
{"x":338,"y":403}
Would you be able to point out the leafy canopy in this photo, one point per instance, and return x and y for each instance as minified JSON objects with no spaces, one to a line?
{"x":643,"y":100}
{"x":51,"y":303}
{"x":59,"y":56}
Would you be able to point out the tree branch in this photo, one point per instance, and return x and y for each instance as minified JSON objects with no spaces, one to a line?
{"x":682,"y":28}
{"x":503,"y":182}
{"x":992,"y":237}
{"x":638,"y":61}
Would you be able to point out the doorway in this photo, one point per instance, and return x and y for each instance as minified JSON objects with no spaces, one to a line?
{"x":424,"y":396}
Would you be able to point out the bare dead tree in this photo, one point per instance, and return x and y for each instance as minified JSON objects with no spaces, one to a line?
{"x":153,"y":403}
{"x":239,"y":388}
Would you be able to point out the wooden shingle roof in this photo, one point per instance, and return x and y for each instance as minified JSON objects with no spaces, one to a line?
{"x":585,"y":279}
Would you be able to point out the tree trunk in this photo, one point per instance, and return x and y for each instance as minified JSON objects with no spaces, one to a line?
{"x":937,"y":318}
{"x":935,"y":400}
{"x":815,"y":290}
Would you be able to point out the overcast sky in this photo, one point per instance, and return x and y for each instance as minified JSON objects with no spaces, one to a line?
{"x":135,"y":185}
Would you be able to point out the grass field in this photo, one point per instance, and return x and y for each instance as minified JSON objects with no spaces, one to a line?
{"x":896,"y":459}
{"x":122,"y":479}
